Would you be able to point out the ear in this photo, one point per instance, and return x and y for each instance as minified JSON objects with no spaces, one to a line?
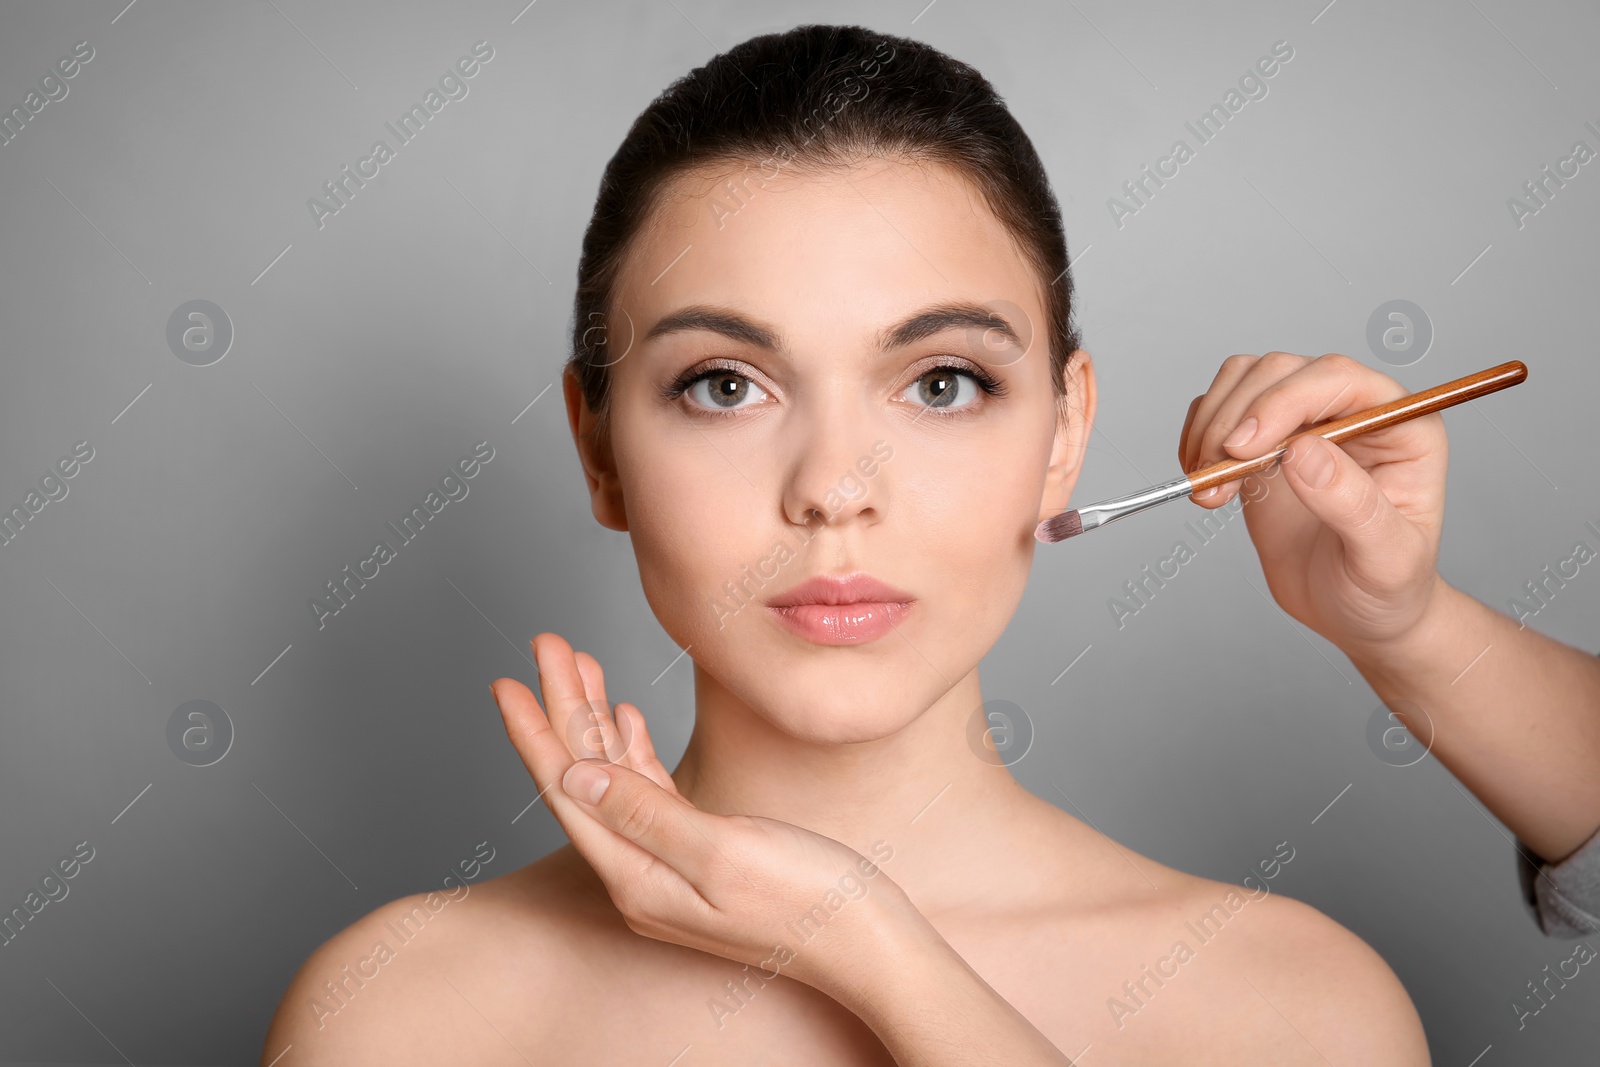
{"x":1072,"y":434}
{"x":594,"y":453}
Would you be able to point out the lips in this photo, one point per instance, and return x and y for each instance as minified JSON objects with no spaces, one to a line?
{"x":840,"y":610}
{"x":857,"y":588}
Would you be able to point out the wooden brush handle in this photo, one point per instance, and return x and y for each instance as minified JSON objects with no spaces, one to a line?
{"x":1376,"y":418}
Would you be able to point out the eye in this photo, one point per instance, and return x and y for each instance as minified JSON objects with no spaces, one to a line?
{"x":949,"y":388}
{"x":723,"y":391}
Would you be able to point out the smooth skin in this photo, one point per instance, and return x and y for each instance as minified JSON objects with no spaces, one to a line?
{"x":1513,"y":714}
{"x":997,"y":927}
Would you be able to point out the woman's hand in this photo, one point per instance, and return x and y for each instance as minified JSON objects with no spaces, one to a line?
{"x":730,"y":885}
{"x":748,"y":888}
{"x":1348,"y":535}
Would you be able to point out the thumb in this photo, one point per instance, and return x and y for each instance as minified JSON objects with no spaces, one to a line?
{"x":1343,"y":496}
{"x":642,"y":813}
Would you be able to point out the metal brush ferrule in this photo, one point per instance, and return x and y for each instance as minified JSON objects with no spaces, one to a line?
{"x":1105,"y":511}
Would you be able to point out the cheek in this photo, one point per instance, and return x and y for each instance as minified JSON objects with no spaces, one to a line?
{"x":976,"y":494}
{"x":694,"y":522}
{"x":975,"y":509}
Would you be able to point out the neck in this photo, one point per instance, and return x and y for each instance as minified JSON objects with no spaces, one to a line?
{"x":951,"y":815}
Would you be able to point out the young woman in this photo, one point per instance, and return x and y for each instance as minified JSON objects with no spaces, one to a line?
{"x":825,"y":377}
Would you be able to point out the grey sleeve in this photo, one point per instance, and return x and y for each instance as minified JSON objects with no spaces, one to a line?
{"x":1564,"y":898}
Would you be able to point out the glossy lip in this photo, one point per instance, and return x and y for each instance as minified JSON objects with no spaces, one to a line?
{"x":857,"y":588}
{"x":850,"y":609}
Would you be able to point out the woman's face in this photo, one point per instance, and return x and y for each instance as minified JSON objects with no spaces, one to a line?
{"x":842,"y":325}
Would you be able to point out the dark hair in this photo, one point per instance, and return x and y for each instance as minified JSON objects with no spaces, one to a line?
{"x":823,"y":95}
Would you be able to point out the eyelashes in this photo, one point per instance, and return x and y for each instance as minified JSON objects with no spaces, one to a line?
{"x":987,"y":383}
{"x":705,"y":372}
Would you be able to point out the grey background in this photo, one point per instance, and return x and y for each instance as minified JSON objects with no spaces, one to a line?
{"x":371,"y":354}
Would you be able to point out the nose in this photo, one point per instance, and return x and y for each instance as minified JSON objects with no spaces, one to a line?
{"x":833,"y":467}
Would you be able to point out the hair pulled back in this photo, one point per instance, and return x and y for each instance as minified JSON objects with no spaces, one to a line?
{"x":819,"y":96}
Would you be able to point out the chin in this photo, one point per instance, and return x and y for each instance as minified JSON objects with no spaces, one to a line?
{"x":838,"y":698}
{"x":824,"y":716}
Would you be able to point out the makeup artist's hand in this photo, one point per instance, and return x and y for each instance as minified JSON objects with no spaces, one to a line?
{"x":724,"y":884}
{"x":1348,"y":535}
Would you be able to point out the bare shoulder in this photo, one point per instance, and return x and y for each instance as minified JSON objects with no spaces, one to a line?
{"x":471,"y":972}
{"x":1351,"y":1004}
{"x":1172,"y":967}
{"x":1283,"y":982}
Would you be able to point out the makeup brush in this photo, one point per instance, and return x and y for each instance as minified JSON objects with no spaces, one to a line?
{"x":1074,"y":522}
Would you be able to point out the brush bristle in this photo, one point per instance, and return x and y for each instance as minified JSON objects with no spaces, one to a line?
{"x":1059,"y":527}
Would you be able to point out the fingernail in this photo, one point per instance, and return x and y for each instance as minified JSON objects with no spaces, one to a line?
{"x":1205,"y":493}
{"x":585,"y":782}
{"x":1313,"y":464}
{"x":1241,"y":433}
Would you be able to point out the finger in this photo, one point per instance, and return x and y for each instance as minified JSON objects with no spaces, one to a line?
{"x":1217,"y":495}
{"x":561,"y":691}
{"x":1204,"y":410}
{"x":1267,"y":371}
{"x":543,"y":753}
{"x":547,"y":759}
{"x":640,"y":749}
{"x":1233,"y":368}
{"x":1183,"y":434}
{"x":595,"y":732}
{"x":1378,"y":540}
{"x":1326,"y":388}
{"x":641,"y":815}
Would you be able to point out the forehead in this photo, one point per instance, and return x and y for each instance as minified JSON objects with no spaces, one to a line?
{"x":823,"y":251}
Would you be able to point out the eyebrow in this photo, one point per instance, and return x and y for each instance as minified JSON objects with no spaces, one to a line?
{"x":728,"y":323}
{"x":947,"y":317}
{"x":923,"y":324}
